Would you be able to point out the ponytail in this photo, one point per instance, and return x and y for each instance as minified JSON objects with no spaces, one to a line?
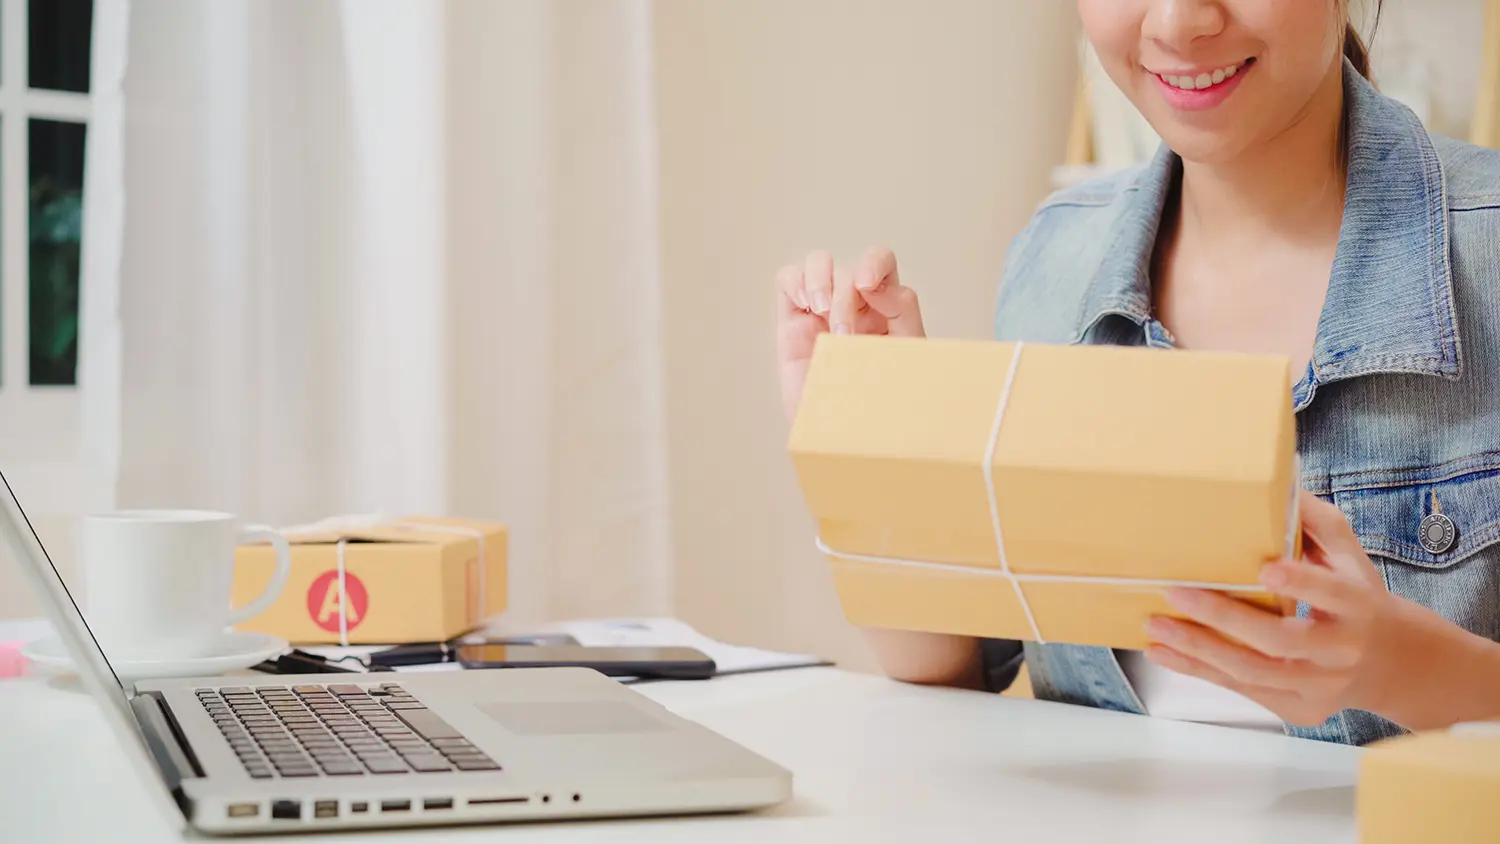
{"x":1355,"y":52}
{"x":1354,"y":46}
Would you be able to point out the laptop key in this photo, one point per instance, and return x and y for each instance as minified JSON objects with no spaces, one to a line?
{"x":428,"y":764}
{"x":427,"y":724}
{"x":342,"y":770}
{"x":475,"y":765}
{"x":386,"y":765}
{"x":465,"y":757}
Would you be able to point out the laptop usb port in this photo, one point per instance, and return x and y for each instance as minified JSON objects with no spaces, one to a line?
{"x":441,"y":803}
{"x":244,"y":810}
{"x":326,"y":809}
{"x":359,"y":807}
{"x":395,"y":805}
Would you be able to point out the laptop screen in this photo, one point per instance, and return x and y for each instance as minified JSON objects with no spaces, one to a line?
{"x":89,"y":660}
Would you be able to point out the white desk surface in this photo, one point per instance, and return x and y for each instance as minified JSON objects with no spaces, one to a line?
{"x":875,"y":761}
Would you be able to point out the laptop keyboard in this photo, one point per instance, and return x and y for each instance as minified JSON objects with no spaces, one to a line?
{"x":337,"y":730}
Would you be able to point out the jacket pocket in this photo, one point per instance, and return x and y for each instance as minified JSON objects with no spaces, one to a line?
{"x":1390,"y":520}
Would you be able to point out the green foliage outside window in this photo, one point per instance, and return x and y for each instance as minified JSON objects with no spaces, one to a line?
{"x":56,"y":239}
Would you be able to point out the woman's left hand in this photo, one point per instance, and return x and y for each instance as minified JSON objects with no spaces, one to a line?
{"x":1352,"y":651}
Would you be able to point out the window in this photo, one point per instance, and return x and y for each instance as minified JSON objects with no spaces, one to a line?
{"x":44,"y":117}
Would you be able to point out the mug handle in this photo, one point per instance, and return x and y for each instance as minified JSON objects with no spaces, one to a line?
{"x":266,"y":598}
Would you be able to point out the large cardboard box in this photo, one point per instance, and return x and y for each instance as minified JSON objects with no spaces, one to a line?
{"x":1439,"y":787}
{"x":412,"y":579}
{"x":1113,"y":472}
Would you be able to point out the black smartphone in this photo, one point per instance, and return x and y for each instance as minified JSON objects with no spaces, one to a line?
{"x":656,"y":663}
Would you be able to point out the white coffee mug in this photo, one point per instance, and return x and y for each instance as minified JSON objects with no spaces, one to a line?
{"x":159,"y":581}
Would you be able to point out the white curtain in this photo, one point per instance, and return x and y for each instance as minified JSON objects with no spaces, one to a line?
{"x":394,"y":256}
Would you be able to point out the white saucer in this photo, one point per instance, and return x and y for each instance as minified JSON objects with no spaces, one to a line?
{"x":232,"y":651}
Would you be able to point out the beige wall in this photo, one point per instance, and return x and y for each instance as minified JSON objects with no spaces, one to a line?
{"x":787,"y":125}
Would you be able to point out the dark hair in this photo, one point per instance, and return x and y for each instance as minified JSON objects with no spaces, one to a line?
{"x":1354,"y":46}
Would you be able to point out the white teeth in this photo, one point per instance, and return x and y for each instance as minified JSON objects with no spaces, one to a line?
{"x":1202,"y":80}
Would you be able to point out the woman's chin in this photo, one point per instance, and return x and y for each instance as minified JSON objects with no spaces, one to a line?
{"x":1202,"y":147}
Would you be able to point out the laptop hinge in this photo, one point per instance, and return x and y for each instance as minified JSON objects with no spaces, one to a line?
{"x":165,"y":740}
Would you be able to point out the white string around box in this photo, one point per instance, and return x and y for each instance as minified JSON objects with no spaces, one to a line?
{"x":345,"y":523}
{"x":1015,"y":578}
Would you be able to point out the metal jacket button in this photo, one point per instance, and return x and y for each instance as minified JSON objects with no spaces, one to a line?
{"x":1437,"y":531}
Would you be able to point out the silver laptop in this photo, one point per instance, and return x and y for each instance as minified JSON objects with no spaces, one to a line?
{"x":267,"y":753}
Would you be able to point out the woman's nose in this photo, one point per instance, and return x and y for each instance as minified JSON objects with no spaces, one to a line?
{"x":1176,"y":24}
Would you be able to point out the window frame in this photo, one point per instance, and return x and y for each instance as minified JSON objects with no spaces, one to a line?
{"x":37,"y":423}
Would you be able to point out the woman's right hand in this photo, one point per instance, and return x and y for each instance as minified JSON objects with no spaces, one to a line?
{"x":815,"y":296}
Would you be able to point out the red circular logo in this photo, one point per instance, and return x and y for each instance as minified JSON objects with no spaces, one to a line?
{"x":324,"y":601}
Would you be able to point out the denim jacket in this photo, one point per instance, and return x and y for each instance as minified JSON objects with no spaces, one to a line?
{"x":1398,"y":413}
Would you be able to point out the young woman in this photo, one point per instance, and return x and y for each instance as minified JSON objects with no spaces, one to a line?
{"x":1292,"y":210}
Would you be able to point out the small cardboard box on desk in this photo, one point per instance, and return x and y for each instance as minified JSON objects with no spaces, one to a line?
{"x":380,"y":581}
{"x":1043,"y":493}
{"x":1442,"y":786}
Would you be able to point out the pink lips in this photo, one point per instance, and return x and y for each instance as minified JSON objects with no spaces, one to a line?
{"x":1202,"y":98}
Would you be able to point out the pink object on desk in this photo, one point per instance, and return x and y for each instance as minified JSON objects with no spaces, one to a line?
{"x":12,"y":664}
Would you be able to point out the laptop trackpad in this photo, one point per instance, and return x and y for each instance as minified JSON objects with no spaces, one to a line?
{"x":570,"y":717}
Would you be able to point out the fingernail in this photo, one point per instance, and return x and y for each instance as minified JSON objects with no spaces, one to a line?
{"x":820,"y":302}
{"x":840,"y":328}
{"x":800,"y":299}
{"x":1159,"y":628}
{"x":867,"y":283}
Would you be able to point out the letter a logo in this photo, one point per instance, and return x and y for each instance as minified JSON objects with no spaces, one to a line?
{"x":323,"y":601}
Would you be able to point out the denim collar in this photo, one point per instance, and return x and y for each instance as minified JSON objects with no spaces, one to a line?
{"x":1374,"y":320}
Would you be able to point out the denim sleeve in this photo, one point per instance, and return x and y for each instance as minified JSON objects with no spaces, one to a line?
{"x":1000,"y":661}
